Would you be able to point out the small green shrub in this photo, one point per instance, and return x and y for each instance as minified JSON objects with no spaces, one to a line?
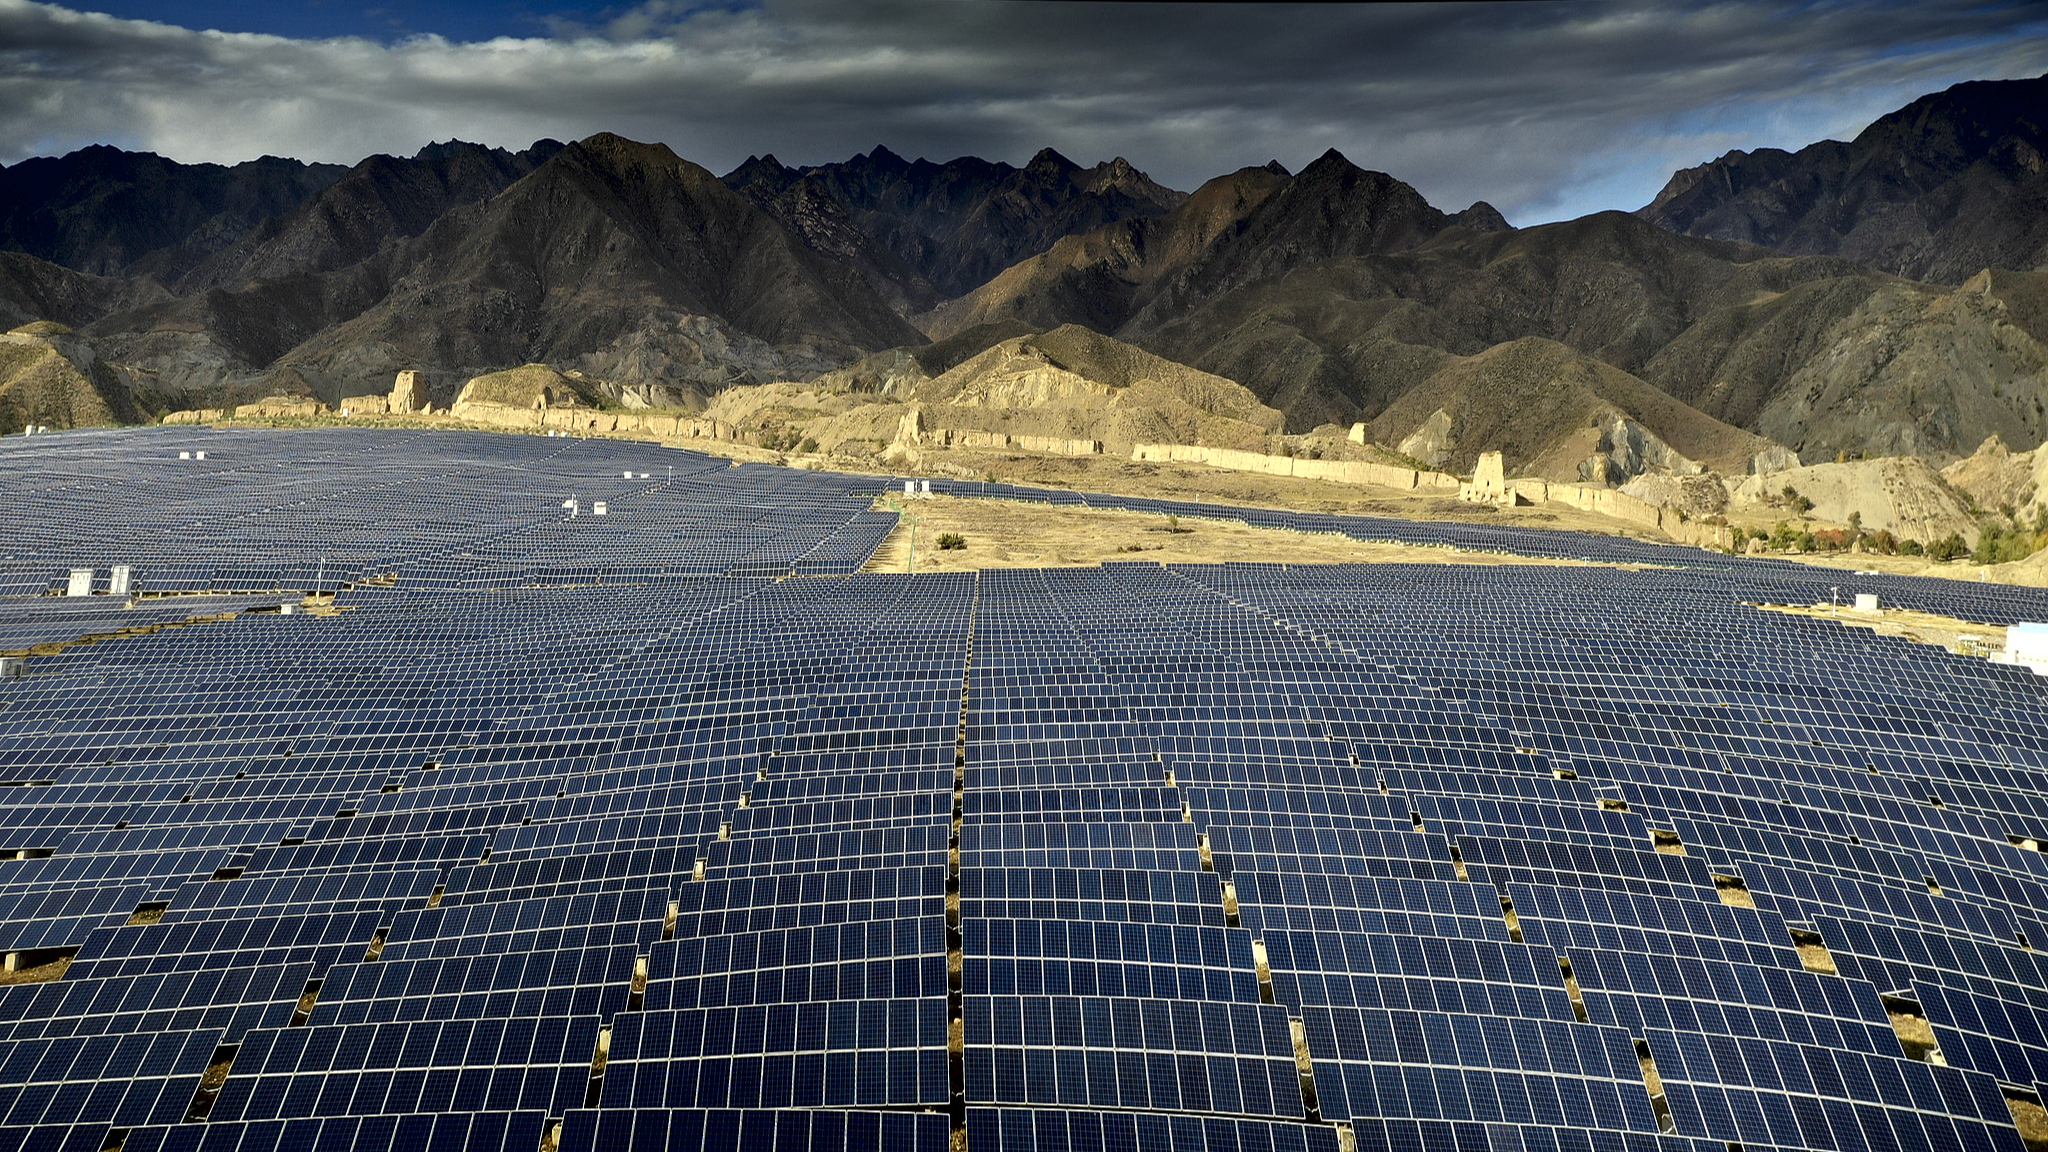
{"x":2004,"y":545}
{"x":950,"y":541}
{"x":781,"y":439}
{"x":1949,"y":547}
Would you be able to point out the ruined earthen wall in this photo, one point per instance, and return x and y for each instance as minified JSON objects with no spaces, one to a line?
{"x":1339,"y":471}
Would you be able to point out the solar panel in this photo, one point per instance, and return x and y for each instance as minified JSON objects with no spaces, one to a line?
{"x":674,"y":828}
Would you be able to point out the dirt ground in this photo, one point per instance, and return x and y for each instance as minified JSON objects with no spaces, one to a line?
{"x":1015,"y":534}
{"x":1960,"y":636}
{"x":2025,"y":572}
{"x":2032,"y":1122}
{"x":38,"y":974}
{"x":1251,"y":489}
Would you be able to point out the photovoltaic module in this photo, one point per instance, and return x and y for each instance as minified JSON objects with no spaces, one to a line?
{"x":672,"y":828}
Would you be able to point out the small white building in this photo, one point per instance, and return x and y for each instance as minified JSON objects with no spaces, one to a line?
{"x":2026,"y":644}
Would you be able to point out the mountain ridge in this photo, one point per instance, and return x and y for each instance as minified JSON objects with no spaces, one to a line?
{"x":380,"y":199}
{"x":1952,"y":183}
{"x":105,"y":212}
{"x":961,"y":222}
{"x":1334,"y":293}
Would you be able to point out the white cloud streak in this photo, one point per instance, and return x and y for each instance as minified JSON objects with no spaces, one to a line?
{"x":1545,"y":110}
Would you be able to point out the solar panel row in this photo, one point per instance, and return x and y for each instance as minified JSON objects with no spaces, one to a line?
{"x":670,"y":828}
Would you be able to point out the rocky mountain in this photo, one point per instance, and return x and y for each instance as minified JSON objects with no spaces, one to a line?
{"x":50,"y":378}
{"x":1332,"y":293}
{"x":806,"y":206}
{"x":1996,"y":478}
{"x":1557,"y":413}
{"x":1769,"y":307}
{"x":220,"y":285}
{"x":1335,"y":294}
{"x":614,"y":255}
{"x":382,"y":199}
{"x":1059,"y":390}
{"x":106,"y":212}
{"x":1914,"y":370}
{"x":1902,"y":495}
{"x":1252,"y":225}
{"x":1075,"y":382}
{"x":1951,"y":184}
{"x":1340,"y":340}
{"x":34,"y":290}
{"x":959,"y":223}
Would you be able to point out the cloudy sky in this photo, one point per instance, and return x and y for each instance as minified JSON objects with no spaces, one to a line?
{"x":1546,"y":110}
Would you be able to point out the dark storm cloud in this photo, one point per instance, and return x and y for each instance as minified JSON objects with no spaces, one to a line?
{"x":1546,"y":110}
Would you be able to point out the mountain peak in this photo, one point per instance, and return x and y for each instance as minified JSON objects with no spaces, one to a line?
{"x":1276,"y":168}
{"x":1120,"y":174}
{"x":760,"y":178}
{"x":760,"y":166}
{"x":612,"y":140}
{"x":1331,"y":165}
{"x":439,"y":150}
{"x":882,"y":157}
{"x":612,"y":148}
{"x":1047,"y":158}
{"x":1483,"y":217}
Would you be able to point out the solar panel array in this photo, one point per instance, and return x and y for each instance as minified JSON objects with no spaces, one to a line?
{"x":670,"y":828}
